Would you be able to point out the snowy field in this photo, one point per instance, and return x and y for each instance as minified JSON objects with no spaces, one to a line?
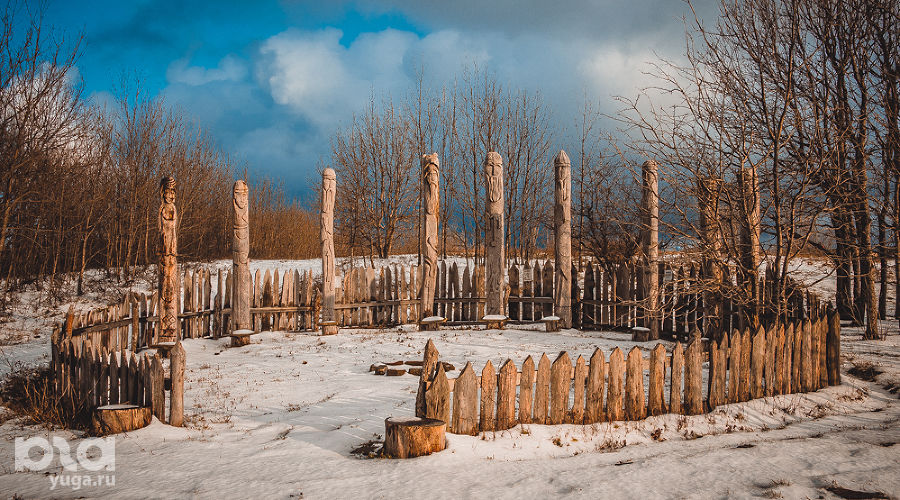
{"x":280,"y":418}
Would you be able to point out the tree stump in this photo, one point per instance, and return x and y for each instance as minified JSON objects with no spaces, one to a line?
{"x":431,"y":324}
{"x":551,"y":323}
{"x":408,"y":437}
{"x":240,"y":338}
{"x":329,"y":327}
{"x":113,"y":419}
{"x":494,"y":321}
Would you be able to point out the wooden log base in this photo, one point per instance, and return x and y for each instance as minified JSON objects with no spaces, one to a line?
{"x":551,"y":323}
{"x":494,"y":322}
{"x":431,"y":324}
{"x":113,"y":419}
{"x":640,"y":334}
{"x":408,"y":437}
{"x":395,"y":372}
{"x":241,"y":337}
{"x":329,"y":328}
{"x":163,"y":348}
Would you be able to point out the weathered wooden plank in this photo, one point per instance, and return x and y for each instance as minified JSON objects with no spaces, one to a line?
{"x":506,"y":396}
{"x":526,"y":391}
{"x":634,"y":386}
{"x":176,"y":402}
{"x":746,"y":351}
{"x":488,"y":397}
{"x":757,"y":364}
{"x":578,"y":382}
{"x":437,"y":396}
{"x":769,"y":359}
{"x":833,"y":348}
{"x":158,"y":389}
{"x":806,"y":357}
{"x":429,"y":364}
{"x":113,"y":378}
{"x":595,"y":388}
{"x":465,"y":403}
{"x":542,"y":391}
{"x":656,"y":404}
{"x":693,"y":379}
{"x":778,"y":361}
{"x":734,"y":366}
{"x":786,"y":358}
{"x":560,"y":379}
{"x":676,"y":380}
{"x":615,"y":386}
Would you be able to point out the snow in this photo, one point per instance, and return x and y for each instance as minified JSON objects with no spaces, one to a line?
{"x":494,"y":317}
{"x":279,"y":418}
{"x":433,"y":319}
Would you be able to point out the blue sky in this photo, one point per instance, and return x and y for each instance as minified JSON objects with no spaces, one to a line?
{"x":273,"y":80}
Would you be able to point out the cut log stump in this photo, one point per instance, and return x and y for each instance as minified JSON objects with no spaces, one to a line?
{"x":431,"y":324}
{"x":329,"y":327}
{"x":240,"y":337}
{"x":408,"y":437}
{"x":113,"y":419}
{"x":494,"y":321}
{"x":551,"y":323}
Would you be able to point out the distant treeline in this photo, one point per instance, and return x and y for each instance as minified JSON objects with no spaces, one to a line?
{"x":79,"y":184}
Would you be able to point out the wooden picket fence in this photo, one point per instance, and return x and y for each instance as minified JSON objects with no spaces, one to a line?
{"x":609,"y":297}
{"x":290,"y":302}
{"x":92,"y":376}
{"x":369,"y":297}
{"x":791,"y":358}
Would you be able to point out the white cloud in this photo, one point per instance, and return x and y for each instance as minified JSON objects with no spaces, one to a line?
{"x":229,"y":68}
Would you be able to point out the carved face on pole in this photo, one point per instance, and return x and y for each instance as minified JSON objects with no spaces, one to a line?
{"x":167,"y":190}
{"x":240,"y":194}
{"x":493,"y":171}
{"x":329,"y":180}
{"x":563,"y":169}
{"x":432,"y":179}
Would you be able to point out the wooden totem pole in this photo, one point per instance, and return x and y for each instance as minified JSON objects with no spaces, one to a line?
{"x":329,"y":185}
{"x":650,"y":209}
{"x":494,"y":253}
{"x":430,"y":206}
{"x":240,"y":247}
{"x":169,"y":286}
{"x":562,"y":226}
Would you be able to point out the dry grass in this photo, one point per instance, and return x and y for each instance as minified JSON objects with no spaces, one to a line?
{"x":29,"y":393}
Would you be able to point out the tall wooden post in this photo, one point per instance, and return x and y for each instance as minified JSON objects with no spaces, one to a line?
{"x":494,"y":252}
{"x":711,"y":245}
{"x":650,"y":215}
{"x":562,"y":226}
{"x":169,"y":286}
{"x":751,"y":250}
{"x":240,"y":256}
{"x":329,"y":185}
{"x":430,"y":207}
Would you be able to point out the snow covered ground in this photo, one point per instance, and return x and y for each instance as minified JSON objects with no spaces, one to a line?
{"x":279,"y":419}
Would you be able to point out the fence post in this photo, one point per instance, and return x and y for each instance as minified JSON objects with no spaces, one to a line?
{"x":176,"y":404}
{"x":833,"y":347}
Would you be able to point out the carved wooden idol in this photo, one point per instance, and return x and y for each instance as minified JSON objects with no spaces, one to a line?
{"x":240,"y":311}
{"x":562,"y":225}
{"x":169,"y":288}
{"x":650,"y":208}
{"x":329,"y":184}
{"x":431,"y":205}
{"x":494,"y":236}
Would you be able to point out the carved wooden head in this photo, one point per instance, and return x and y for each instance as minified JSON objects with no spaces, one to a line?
{"x":240,"y":193}
{"x":167,"y":189}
